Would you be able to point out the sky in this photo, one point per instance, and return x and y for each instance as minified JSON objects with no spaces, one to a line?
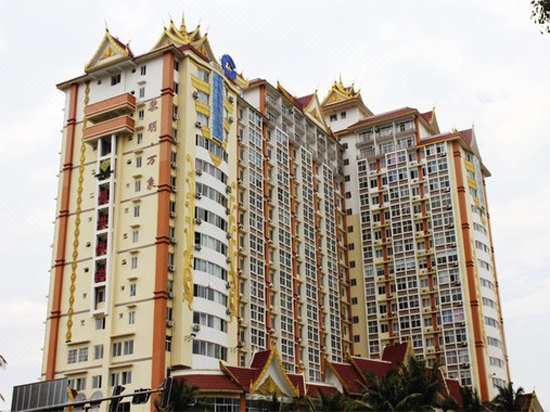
{"x":481,"y":63}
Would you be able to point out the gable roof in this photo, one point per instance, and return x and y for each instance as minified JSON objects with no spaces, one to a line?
{"x":210,"y":382}
{"x":352,"y":381}
{"x":315,"y":389}
{"x":260,"y":358}
{"x":340,"y":96}
{"x":243,"y":377}
{"x":377,"y":367}
{"x":110,"y":50}
{"x":299,"y":382}
{"x":453,"y":386}
{"x":304,"y":100}
{"x":309,"y":105}
{"x":185,"y":40}
{"x":396,"y":354}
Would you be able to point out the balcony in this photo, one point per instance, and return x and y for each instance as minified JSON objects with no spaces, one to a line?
{"x":107,"y":109}
{"x":118,"y":125}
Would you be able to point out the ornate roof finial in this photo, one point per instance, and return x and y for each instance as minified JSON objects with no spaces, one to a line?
{"x":183,"y":27}
{"x":106,"y":26}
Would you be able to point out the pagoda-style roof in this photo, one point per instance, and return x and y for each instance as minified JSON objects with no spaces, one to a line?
{"x":183,"y":39}
{"x":340,"y":96}
{"x":110,"y":51}
{"x":398,"y":354}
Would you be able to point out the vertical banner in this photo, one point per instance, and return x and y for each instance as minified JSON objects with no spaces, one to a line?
{"x":217,"y":107}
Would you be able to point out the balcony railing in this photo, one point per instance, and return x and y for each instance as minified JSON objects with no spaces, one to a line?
{"x":110,"y":108}
{"x":118,"y":125}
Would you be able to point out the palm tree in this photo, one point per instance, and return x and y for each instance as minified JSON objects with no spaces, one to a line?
{"x":302,"y":404}
{"x":386,"y":393}
{"x":334,"y":402}
{"x":470,"y":400}
{"x":417,"y":379}
{"x":183,"y":397}
{"x":507,"y":398}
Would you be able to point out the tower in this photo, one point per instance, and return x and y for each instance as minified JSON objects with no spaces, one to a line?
{"x":420,"y":249}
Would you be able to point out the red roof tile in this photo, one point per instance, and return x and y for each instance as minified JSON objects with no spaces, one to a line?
{"x":378,"y":367}
{"x":467,"y":135}
{"x":395,"y":353}
{"x":245,"y":376}
{"x":454,"y":390}
{"x":210,"y":381}
{"x":428,"y":116}
{"x":303,"y":101}
{"x":313,"y":390}
{"x":349,"y":376}
{"x":260,"y":358}
{"x":298,"y":381}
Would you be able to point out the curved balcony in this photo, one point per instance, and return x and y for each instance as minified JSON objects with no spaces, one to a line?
{"x":118,"y":125}
{"x":107,"y":109}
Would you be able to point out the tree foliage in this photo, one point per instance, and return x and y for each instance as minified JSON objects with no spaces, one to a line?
{"x":541,"y":14}
{"x":183,"y":397}
{"x":507,"y":399}
{"x":411,"y":387}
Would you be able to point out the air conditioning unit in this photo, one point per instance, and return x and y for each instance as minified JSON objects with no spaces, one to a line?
{"x":228,"y":261}
{"x":230,"y":99}
{"x":198,"y":195}
{"x":228,"y":311}
{"x":227,"y":285}
{"x":447,"y":189}
{"x":172,"y":240}
{"x":173,"y":165}
{"x":228,"y":189}
{"x":198,"y":221}
{"x":227,"y":211}
{"x":196,"y":327}
{"x":172,"y":214}
{"x":230,"y":119}
{"x":198,"y":124}
{"x":198,"y":172}
{"x":175,"y":116}
{"x":171,"y":268}
{"x":174,"y":189}
{"x":169,"y":323}
{"x":228,"y":235}
{"x":195,"y":95}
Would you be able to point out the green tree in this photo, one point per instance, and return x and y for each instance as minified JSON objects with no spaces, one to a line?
{"x":334,"y":402}
{"x":470,"y":400}
{"x":385,"y":393}
{"x":507,"y":398}
{"x":183,"y":397}
{"x":417,"y":379}
{"x":541,"y":14}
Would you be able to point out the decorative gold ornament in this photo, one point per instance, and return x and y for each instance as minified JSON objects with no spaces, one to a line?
{"x":269,"y":387}
{"x":74,"y":263}
{"x":189,"y":232}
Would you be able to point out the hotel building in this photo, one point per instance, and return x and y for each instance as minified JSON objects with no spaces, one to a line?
{"x":420,"y":251}
{"x":204,"y":220}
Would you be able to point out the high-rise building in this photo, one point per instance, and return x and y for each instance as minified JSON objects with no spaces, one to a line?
{"x":419,"y":240}
{"x":203,"y":217}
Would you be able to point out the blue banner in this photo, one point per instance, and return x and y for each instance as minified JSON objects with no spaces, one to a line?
{"x":217,"y":107}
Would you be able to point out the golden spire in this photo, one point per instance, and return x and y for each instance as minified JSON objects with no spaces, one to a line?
{"x":183,"y":28}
